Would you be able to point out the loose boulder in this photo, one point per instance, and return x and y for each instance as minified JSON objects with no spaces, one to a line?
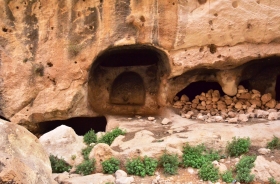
{"x":22,"y":157}
{"x":64,"y":143}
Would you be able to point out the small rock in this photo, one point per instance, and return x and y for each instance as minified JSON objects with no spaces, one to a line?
{"x":190,"y":170}
{"x":266,"y":97}
{"x":271,"y":103}
{"x":151,"y":118}
{"x":243,"y":117}
{"x":124,"y":180}
{"x":264,"y":151}
{"x":256,"y":91}
{"x":277,"y":106}
{"x":232,"y":120}
{"x":165,"y":121}
{"x":120,"y":173}
{"x":273,"y":116}
{"x":137,"y":116}
{"x":261,"y":113}
{"x":185,"y":98}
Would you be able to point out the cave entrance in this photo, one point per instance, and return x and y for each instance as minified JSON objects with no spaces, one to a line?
{"x":127,"y":80}
{"x":128,"y":88}
{"x":81,"y":125}
{"x":277,"y":88}
{"x":196,"y":88}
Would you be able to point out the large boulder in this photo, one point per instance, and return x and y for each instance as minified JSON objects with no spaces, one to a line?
{"x":22,"y":157}
{"x":64,"y":143}
{"x":265,"y":169}
{"x":100,"y":153}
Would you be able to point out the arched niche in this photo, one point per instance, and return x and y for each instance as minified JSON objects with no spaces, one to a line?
{"x":128,"y":89}
{"x":128,"y":80}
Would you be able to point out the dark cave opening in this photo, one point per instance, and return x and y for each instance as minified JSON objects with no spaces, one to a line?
{"x":277,"y":88}
{"x":138,"y":56}
{"x":81,"y":125}
{"x":246,"y":84}
{"x":196,"y":88}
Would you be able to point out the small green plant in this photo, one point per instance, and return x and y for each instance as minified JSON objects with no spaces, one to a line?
{"x":59,"y":165}
{"x":274,"y":143}
{"x":238,"y":146}
{"x":110,"y":166}
{"x":227,"y":176}
{"x":90,"y":137}
{"x":73,"y":157}
{"x":150,"y":165}
{"x":86,"y":167}
{"x":135,"y":166}
{"x":208,"y":172}
{"x":197,"y":156}
{"x":86,"y":151}
{"x":243,"y":169}
{"x":273,"y":181}
{"x":109,"y":137}
{"x":213,"y":155}
{"x":170,"y":163}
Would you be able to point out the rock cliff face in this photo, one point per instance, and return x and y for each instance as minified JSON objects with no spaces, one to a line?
{"x":62,"y":59}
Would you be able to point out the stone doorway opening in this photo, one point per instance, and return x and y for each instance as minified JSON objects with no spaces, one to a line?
{"x":196,"y":88}
{"x":81,"y":125}
{"x":127,"y":80}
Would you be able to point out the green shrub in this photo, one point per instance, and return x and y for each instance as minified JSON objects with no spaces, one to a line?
{"x":273,"y":181}
{"x":208,"y":172}
{"x":109,"y":137}
{"x":193,"y":156}
{"x":170,"y":163}
{"x":197,"y":156}
{"x":150,"y":165}
{"x":227,"y":176}
{"x":86,"y":167}
{"x":238,"y":146}
{"x":135,"y":166}
{"x":213,"y":155}
{"x":90,"y":137}
{"x":111,"y":165}
{"x":86,"y":151}
{"x":59,"y":165}
{"x":274,"y":143}
{"x":243,"y":169}
{"x":139,"y":167}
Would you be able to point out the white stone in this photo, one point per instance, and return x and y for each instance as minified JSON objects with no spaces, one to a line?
{"x":151,"y":118}
{"x":273,"y":116}
{"x":124,"y":180}
{"x":264,"y":151}
{"x":120,"y":173}
{"x":165,"y":121}
{"x":232,"y":120}
{"x":243,"y":117}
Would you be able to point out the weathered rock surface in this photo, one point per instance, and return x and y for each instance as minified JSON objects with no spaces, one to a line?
{"x":48,"y":47}
{"x":63,"y":142}
{"x":265,"y":169}
{"x":93,"y":178}
{"x":100,"y":153}
{"x":22,"y":158}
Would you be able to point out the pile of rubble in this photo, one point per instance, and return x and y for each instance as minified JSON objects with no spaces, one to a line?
{"x":212,"y":107}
